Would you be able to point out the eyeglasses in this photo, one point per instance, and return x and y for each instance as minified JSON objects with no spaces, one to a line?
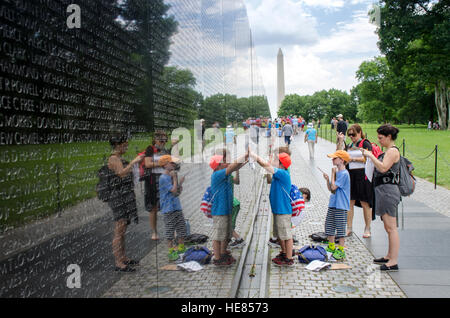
{"x":351,"y":135}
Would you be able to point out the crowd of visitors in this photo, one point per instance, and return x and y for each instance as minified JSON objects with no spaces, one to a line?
{"x":348,"y":183}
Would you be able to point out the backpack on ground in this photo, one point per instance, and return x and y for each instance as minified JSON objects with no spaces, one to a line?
{"x":406,"y":180}
{"x":104,"y":185}
{"x":376,"y":150}
{"x":196,"y":239}
{"x":199,"y":254}
{"x":309,"y":253}
{"x":320,"y":237}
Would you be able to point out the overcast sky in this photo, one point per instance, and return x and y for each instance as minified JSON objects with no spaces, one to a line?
{"x":323,"y":41}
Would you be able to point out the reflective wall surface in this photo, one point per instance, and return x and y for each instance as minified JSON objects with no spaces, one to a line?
{"x":70,"y":78}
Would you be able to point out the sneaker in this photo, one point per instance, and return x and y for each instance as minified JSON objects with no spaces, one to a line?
{"x":237,"y":243}
{"x":385,"y":268}
{"x":279,"y":257}
{"x":173,"y":255}
{"x":229,"y":256}
{"x":339,"y":253}
{"x":181,"y":249}
{"x":380,"y":261}
{"x":274,"y":243}
{"x":331,"y":247}
{"x":284,"y":262}
{"x":223,"y":262}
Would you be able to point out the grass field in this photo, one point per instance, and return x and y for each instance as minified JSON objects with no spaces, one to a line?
{"x":419,"y":144}
{"x":37,"y":181}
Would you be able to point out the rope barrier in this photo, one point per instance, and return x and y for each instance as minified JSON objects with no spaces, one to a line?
{"x":445,"y":161}
{"x":416,"y":158}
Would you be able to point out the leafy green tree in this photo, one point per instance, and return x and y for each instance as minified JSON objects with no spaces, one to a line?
{"x":415,"y":34}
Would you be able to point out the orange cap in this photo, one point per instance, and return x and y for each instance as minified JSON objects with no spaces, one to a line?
{"x":285,"y":159}
{"x":166,"y":159}
{"x":215,"y":161}
{"x":340,"y":154}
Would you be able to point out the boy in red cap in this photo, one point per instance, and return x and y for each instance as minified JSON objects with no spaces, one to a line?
{"x":280,"y":203}
{"x":222,"y":206}
{"x":336,"y":219}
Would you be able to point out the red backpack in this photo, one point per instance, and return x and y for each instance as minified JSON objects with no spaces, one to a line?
{"x":376,"y":150}
{"x":142,"y":165}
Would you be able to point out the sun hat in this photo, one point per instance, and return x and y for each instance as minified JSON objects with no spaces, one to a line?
{"x":285,"y":159}
{"x":310,"y":125}
{"x":167,"y":159}
{"x":340,"y":154}
{"x":339,"y":116}
{"x":215,"y":161}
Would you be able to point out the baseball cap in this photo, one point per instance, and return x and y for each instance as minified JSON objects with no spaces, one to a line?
{"x":340,"y":154}
{"x":166,"y":159}
{"x":285,"y":159}
{"x":215,"y":161}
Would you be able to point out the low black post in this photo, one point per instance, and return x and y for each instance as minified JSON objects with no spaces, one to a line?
{"x":58,"y":173}
{"x":435,"y":165}
{"x":404,"y":147}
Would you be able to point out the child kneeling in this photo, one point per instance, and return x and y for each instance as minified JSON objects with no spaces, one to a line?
{"x":170,"y":206}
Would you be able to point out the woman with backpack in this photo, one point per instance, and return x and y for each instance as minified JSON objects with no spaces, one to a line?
{"x":361,"y":191}
{"x":123,"y":200}
{"x":387,"y":193}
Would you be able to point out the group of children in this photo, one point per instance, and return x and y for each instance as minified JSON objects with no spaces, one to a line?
{"x":224,"y":205}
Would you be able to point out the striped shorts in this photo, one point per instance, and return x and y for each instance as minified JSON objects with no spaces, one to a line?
{"x":336,"y":221}
{"x":174,"y":221}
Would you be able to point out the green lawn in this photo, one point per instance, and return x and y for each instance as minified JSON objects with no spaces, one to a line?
{"x":40,"y":180}
{"x":419,"y":144}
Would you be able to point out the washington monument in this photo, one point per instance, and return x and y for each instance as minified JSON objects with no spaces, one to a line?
{"x":280,"y":78}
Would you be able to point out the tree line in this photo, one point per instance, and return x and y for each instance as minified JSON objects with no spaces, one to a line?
{"x":409,"y":83}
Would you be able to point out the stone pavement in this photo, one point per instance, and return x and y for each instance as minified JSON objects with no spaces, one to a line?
{"x":149,"y":281}
{"x":297,"y":282}
{"x":363,"y":280}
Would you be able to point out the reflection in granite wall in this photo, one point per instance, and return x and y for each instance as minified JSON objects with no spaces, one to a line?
{"x":132,"y":67}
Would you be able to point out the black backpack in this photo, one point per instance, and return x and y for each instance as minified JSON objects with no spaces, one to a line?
{"x":104,"y":185}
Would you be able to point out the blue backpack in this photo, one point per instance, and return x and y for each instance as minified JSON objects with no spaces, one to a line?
{"x":200,"y":254}
{"x":309,"y":253}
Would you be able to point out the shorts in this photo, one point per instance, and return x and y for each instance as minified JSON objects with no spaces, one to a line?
{"x":336,"y":221}
{"x":287,"y":139}
{"x":221,"y":227}
{"x":174,"y":222}
{"x":282,"y":226}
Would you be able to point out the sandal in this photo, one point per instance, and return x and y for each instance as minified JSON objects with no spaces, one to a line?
{"x":367,"y":235}
{"x":131,"y":262}
{"x":349,"y":232}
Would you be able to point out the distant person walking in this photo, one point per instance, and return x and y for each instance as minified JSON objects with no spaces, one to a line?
{"x":387,"y":193}
{"x":341,"y":127}
{"x":288,"y":131}
{"x":311,"y":138}
{"x":123,"y":200}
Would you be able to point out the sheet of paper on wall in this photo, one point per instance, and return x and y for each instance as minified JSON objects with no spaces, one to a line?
{"x":369,"y":169}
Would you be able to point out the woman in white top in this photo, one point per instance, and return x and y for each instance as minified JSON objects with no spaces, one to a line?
{"x":361,"y":190}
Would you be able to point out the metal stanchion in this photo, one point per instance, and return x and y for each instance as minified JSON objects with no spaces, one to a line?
{"x":435,"y":165}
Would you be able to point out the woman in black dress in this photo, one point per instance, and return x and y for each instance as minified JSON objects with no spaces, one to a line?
{"x":123,"y":199}
{"x":361,"y":191}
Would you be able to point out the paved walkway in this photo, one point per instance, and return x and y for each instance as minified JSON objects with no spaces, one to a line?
{"x":297,"y":282}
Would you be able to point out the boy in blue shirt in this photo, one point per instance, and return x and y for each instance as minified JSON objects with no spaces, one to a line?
{"x":280,"y":202}
{"x":222,"y":205}
{"x":339,"y":186}
{"x":170,"y":206}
